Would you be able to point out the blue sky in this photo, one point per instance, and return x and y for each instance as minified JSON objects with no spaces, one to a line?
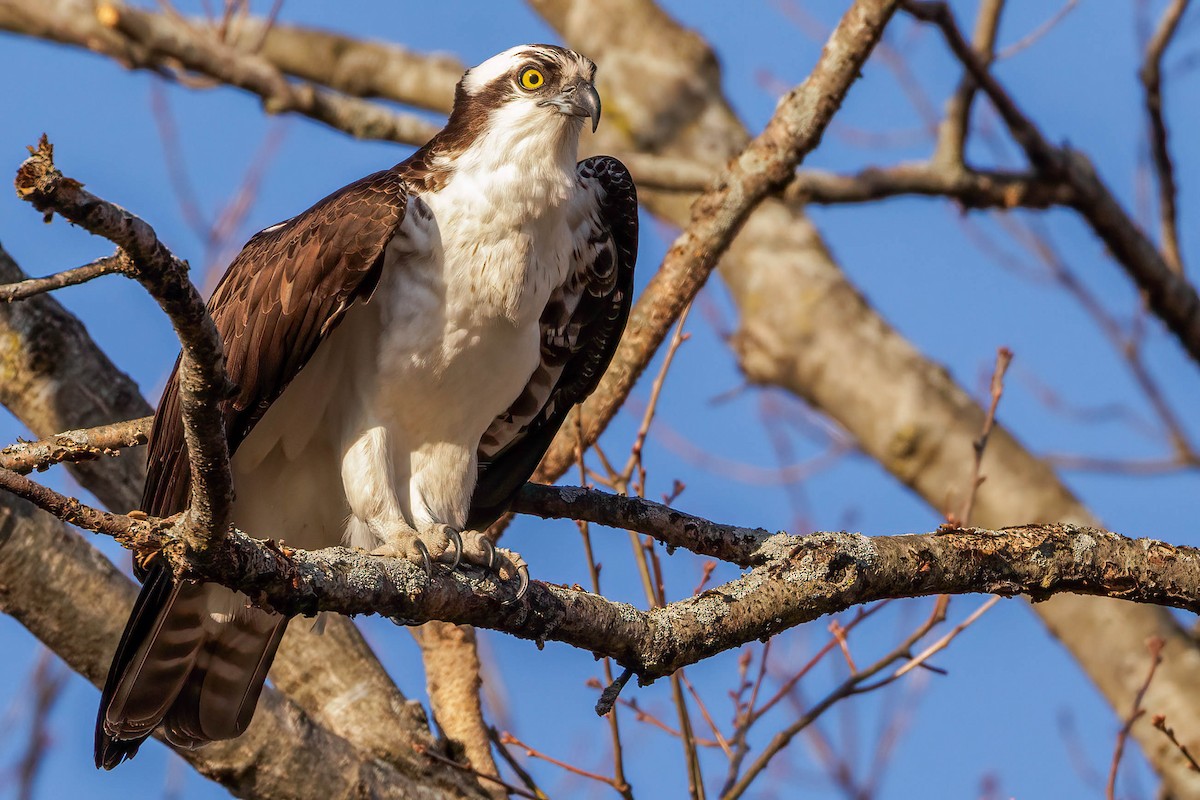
{"x":1009,"y":690}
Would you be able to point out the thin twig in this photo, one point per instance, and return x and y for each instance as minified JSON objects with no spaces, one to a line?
{"x":109,"y":265}
{"x":607,"y":700}
{"x":746,"y":716}
{"x":48,"y":680}
{"x":721,"y":741}
{"x":467,"y":768}
{"x":941,"y":644}
{"x":647,"y":557}
{"x":952,"y":133}
{"x":1148,"y":467}
{"x":839,"y":635}
{"x":1127,"y":345}
{"x":1155,"y":646}
{"x":842,"y":691}
{"x":515,"y":765}
{"x":269,"y":23}
{"x":1040,"y":31}
{"x":639,"y":442}
{"x":508,"y":739}
{"x":1003,"y":359}
{"x":1151,"y":77}
{"x":644,"y":716}
{"x":1160,"y":722}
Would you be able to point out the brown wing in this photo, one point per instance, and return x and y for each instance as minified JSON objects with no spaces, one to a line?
{"x":581,"y":326}
{"x":283,"y":294}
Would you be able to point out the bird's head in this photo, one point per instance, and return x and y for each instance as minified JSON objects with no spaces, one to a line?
{"x":534,"y":87}
{"x":518,"y":113}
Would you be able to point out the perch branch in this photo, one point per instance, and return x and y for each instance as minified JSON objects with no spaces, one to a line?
{"x":799,"y":579}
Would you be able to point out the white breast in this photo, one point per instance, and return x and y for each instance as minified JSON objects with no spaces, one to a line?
{"x":386,"y":418}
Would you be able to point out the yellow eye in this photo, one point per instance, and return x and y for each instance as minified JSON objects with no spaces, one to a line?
{"x":532,"y":79}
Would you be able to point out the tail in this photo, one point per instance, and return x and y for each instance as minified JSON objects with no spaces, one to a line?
{"x":193,"y":657}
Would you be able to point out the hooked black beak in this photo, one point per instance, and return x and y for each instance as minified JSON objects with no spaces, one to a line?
{"x":578,"y":99}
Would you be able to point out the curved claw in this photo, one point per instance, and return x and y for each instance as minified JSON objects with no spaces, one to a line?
{"x":490,"y":550}
{"x":456,"y":539}
{"x":425,"y":560}
{"x":522,"y":587}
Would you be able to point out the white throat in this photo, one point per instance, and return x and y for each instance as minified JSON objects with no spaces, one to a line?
{"x":522,"y":165}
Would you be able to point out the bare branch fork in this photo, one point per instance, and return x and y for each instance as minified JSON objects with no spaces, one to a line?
{"x":202,"y":381}
{"x":1168,"y":294}
{"x":1151,"y":77}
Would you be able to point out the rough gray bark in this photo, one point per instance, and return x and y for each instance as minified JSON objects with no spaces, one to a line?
{"x":794,"y":579}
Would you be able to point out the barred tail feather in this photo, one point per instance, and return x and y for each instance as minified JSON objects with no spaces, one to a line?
{"x":194,"y":658}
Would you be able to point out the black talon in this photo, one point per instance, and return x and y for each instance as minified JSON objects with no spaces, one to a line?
{"x":456,"y":539}
{"x":490,"y":550}
{"x":522,"y":588}
{"x":424,"y":551}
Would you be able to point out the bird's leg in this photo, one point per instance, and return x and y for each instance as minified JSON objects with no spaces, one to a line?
{"x":377,"y":521}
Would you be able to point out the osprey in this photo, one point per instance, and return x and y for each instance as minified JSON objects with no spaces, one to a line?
{"x":404,"y":352}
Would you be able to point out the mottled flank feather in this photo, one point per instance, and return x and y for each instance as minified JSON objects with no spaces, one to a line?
{"x":581,"y":326}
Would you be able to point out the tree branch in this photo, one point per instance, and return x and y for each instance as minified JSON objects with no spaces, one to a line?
{"x":1151,"y":77}
{"x":43,"y":565}
{"x":353,"y":66}
{"x":952,"y":133}
{"x":1168,"y":294}
{"x":970,"y":188}
{"x":166,"y":44}
{"x":85,"y":444}
{"x":71,"y":277}
{"x":202,"y":382}
{"x":798,"y":579}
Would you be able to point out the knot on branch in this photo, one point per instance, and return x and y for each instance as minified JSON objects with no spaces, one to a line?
{"x":38,"y":179}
